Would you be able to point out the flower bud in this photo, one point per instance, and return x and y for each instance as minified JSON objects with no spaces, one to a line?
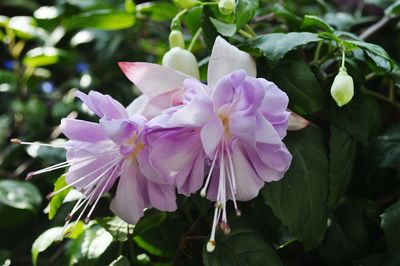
{"x":176,"y":39}
{"x":226,"y":7}
{"x":186,"y":4}
{"x":342,"y":89}
{"x":181,"y":60}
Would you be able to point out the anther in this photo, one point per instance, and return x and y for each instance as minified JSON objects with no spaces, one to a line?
{"x":29,"y":176}
{"x":211,"y":245}
{"x":87,"y":220}
{"x":49,"y":196}
{"x":238,"y":213}
{"x":68,"y":218}
{"x":203,"y":192}
{"x":225,"y":228}
{"x":15,"y":141}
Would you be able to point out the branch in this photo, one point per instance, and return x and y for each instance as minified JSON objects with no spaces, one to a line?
{"x":377,"y":26}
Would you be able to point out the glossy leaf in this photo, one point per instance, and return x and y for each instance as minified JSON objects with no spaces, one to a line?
{"x":314,"y":21}
{"x":45,"y":240}
{"x":151,"y":218}
{"x":20,"y":195}
{"x":102,"y":19}
{"x":275,"y":46}
{"x":245,"y":10}
{"x":224,"y":29}
{"x":118,"y":228}
{"x":299,"y":199}
{"x":57,"y":200}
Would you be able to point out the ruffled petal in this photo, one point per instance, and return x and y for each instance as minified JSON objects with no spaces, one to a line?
{"x":103,"y":106}
{"x":226,"y":58}
{"x":129,"y":202}
{"x":162,"y":197}
{"x":190,"y":183}
{"x":80,"y":130}
{"x":118,"y":131}
{"x":152,"y":79}
{"x":211,"y":135}
{"x":276,"y":157}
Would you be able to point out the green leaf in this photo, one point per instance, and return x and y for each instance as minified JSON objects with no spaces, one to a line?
{"x":116,"y":227}
{"x":42,"y":56}
{"x":151,"y":218}
{"x":360,"y":118}
{"x":242,"y":247}
{"x":102,"y":19}
{"x":120,"y":261}
{"x":45,"y":240}
{"x":385,"y":149}
{"x":342,"y":152}
{"x":224,"y":29}
{"x":299,"y":199}
{"x":390,"y":224}
{"x":245,"y":11}
{"x":23,"y":26}
{"x":275,"y":46}
{"x":158,"y":11}
{"x":20,"y":195}
{"x":314,"y":21}
{"x":295,"y":77}
{"x":57,"y":200}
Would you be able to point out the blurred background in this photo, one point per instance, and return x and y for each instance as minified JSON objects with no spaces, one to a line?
{"x":50,"y":49}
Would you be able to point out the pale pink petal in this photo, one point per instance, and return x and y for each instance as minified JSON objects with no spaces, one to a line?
{"x":226,"y":58}
{"x":152,"y":79}
{"x":296,"y":122}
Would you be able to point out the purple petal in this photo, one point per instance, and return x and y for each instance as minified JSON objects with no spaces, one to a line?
{"x":190,"y":183}
{"x":129,"y":202}
{"x":276,"y":157}
{"x":118,"y":131}
{"x":80,"y":130}
{"x":162,"y":197}
{"x":211,"y":136}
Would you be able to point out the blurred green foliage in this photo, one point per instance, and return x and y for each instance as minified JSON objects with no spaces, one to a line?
{"x":338,"y":203}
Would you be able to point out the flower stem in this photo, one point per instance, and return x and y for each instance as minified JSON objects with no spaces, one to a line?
{"x":318,"y":52}
{"x":343,"y":57}
{"x":245,"y":34}
{"x":250,"y":30}
{"x":194,"y":39}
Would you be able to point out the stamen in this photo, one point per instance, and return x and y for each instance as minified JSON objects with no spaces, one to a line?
{"x":204,"y":189}
{"x":20,"y":142}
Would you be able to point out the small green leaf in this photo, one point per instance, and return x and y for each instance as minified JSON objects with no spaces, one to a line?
{"x":57,"y":200}
{"x":342,"y":152}
{"x":116,"y":227}
{"x":245,"y":11}
{"x":45,"y":240}
{"x":242,"y":246}
{"x":224,"y":29}
{"x":275,"y":46}
{"x":299,"y":199}
{"x":20,"y":195}
{"x":102,"y":19}
{"x":120,"y":261}
{"x":42,"y":56}
{"x":158,"y":11}
{"x":314,"y":21}
{"x":295,"y":77}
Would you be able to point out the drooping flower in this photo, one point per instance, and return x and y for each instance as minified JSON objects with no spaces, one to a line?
{"x":100,"y":153}
{"x":236,"y":122}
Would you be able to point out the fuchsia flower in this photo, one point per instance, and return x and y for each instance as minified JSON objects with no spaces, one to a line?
{"x":99,"y":153}
{"x":236,"y":122}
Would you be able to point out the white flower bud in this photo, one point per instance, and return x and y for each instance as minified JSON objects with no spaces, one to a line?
{"x":226,"y":7}
{"x":176,"y":39}
{"x":181,"y":60}
{"x":342,"y":89}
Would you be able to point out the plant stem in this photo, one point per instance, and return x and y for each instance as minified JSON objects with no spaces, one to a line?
{"x":381,"y":97}
{"x":377,"y":26}
{"x":250,"y":30}
{"x":194,"y":39}
{"x":245,"y":34}
{"x":318,"y":52}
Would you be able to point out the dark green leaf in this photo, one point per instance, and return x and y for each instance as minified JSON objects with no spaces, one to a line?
{"x":342,"y":152}
{"x":390,"y":224}
{"x":224,"y":29}
{"x":245,"y":10}
{"x":360,"y":118}
{"x":299,"y":199}
{"x":57,"y":200}
{"x":385,"y":149}
{"x":102,"y":19}
{"x":20,"y":195}
{"x":275,"y":46}
{"x":151,"y":218}
{"x":118,"y":228}
{"x":242,"y":247}
{"x":298,"y":81}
